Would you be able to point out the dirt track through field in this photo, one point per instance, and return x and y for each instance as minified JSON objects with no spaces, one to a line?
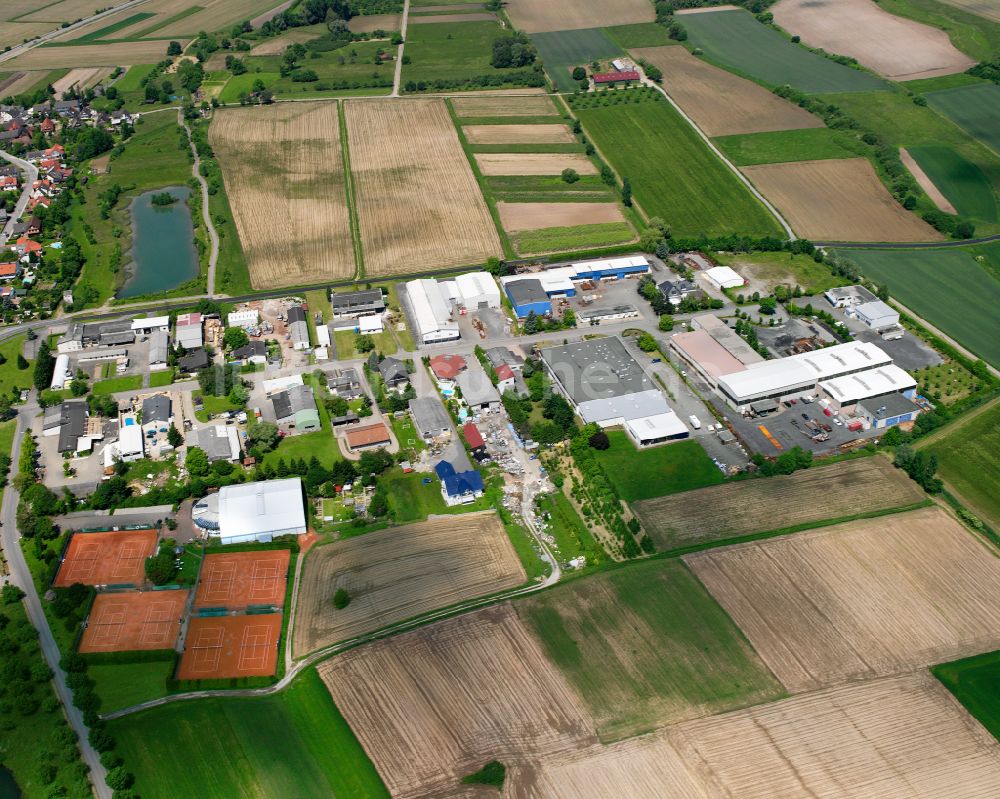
{"x":419,"y":205}
{"x":936,"y":195}
{"x":277,"y":44}
{"x":536,"y":16}
{"x":862,"y":599}
{"x":394,"y":574}
{"x":898,"y":48}
{"x":720,"y":102}
{"x":285,"y":181}
{"x":533,"y":163}
{"x":753,"y":506}
{"x":837,"y":200}
{"x":517,"y":217}
{"x":518,"y":134}
{"x":434,"y":705}
{"x":539,"y":105}
{"x":90,"y":55}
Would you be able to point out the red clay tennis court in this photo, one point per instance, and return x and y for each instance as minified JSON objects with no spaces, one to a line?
{"x":231,"y":646}
{"x":241,"y":579}
{"x":109,"y":558}
{"x":133,"y":621}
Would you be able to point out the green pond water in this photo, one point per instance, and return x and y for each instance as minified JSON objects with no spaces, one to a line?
{"x":163,"y":250}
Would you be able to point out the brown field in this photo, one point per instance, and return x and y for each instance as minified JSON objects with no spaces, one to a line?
{"x":20,"y":82}
{"x":837,"y":200}
{"x":719,"y":101}
{"x":775,"y":503}
{"x":895,"y":47}
{"x":90,"y":55}
{"x":518,"y":134}
{"x":707,"y":9}
{"x":903,"y":737}
{"x":106,"y":558}
{"x":231,"y":646}
{"x":401,"y":572}
{"x":436,"y":704}
{"x":12,"y":33}
{"x":374,"y":22}
{"x":83,"y":78}
{"x":419,"y":205}
{"x":533,"y":163}
{"x":517,"y":217}
{"x":215,"y":15}
{"x":133,"y":621}
{"x":277,"y":45}
{"x":65,"y":11}
{"x":473,"y":17}
{"x":236,"y":580}
{"x":285,"y":180}
{"x":532,"y":16}
{"x":538,"y":105}
{"x":932,"y":191}
{"x":984,"y":8}
{"x":862,"y":599}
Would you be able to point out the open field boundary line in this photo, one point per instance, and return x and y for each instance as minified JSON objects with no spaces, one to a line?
{"x":398,"y":74}
{"x":352,"y":208}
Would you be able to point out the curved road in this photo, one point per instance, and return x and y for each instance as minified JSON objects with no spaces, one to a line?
{"x":21,"y":577}
{"x":213,"y":236}
{"x":32,"y":175}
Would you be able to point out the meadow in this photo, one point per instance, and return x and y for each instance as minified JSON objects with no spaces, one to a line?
{"x":961,"y":181}
{"x":294,"y":743}
{"x":966,"y":311}
{"x":735,"y":40}
{"x":654,"y":472}
{"x":780,"y":146}
{"x":973,"y":681}
{"x":673,"y":174}
{"x":645,"y":646}
{"x":122,"y":685}
{"x":10,"y":375}
{"x":975,"y":109}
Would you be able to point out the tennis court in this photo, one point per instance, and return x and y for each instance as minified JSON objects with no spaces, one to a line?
{"x":107,"y":558}
{"x":231,"y":646}
{"x":133,"y":621}
{"x":240,"y":579}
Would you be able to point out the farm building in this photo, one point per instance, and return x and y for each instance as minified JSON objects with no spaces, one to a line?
{"x":848,"y":296}
{"x":188,"y":331}
{"x":459,"y":488}
{"x":298,"y":328}
{"x":610,"y":78}
{"x":253,"y":511}
{"x":877,"y":315}
{"x":478,"y":391}
{"x":296,"y":406}
{"x":370,"y":435}
{"x":430,"y":418}
{"x":146,"y":325}
{"x":723,"y":277}
{"x":220,"y":442}
{"x":873,"y":384}
{"x":432,"y":314}
{"x":357,"y":303}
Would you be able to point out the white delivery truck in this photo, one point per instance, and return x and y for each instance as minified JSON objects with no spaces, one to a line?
{"x":695,"y":422}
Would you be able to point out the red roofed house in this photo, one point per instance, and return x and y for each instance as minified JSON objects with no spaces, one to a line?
{"x":9,"y":270}
{"x":446,"y":368}
{"x":8,"y":183}
{"x":475,"y":440}
{"x":626,"y":76}
{"x":36,"y":201}
{"x":372,"y":435}
{"x":48,"y":126}
{"x":55,"y":151}
{"x":505,"y":378}
{"x":25,"y":246}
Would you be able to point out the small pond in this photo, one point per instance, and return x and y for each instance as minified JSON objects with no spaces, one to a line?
{"x":8,"y":788}
{"x":163,"y":253}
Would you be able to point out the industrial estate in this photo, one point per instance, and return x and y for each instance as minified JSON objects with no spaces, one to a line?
{"x":522,"y":398}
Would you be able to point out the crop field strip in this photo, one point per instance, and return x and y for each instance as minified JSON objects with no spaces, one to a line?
{"x":719,"y":102}
{"x":838,"y":200}
{"x":984,"y":8}
{"x":862,"y":599}
{"x":394,"y":574}
{"x":435,"y":704}
{"x":518,"y":134}
{"x":975,"y":109}
{"x":418,"y":202}
{"x":538,"y":105}
{"x":903,"y":737}
{"x":91,"y":55}
{"x":497,"y":164}
{"x":962,"y":182}
{"x":284,"y":178}
{"x":531,"y":16}
{"x":746,"y":507}
{"x":518,"y":217}
{"x":892,"y":46}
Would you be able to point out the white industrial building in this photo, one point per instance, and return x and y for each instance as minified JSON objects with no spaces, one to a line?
{"x":846,"y":392}
{"x":248,"y":317}
{"x":877,"y":315}
{"x":475,"y":290}
{"x":257,"y":511}
{"x":277,"y":384}
{"x":723,"y":277}
{"x":432,"y":313}
{"x":61,"y":372}
{"x":188,"y":331}
{"x":146,"y":325}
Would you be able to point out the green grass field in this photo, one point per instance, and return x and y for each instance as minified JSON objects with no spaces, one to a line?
{"x":781,"y":146}
{"x":563,"y":239}
{"x":115,"y":384}
{"x":785,"y":267}
{"x":673,"y":174}
{"x":321,"y":444}
{"x":10,"y":375}
{"x":640,"y":34}
{"x":736,"y":41}
{"x":975,"y":109}
{"x":646,"y":645}
{"x":562,"y":50}
{"x":974,"y":682}
{"x":295,"y":743}
{"x":654,"y":472}
{"x":961,"y":181}
{"x":412,"y":501}
{"x":969,"y":459}
{"x":125,"y":684}
{"x":946,"y":287}
{"x":573,"y":539}
{"x":164,"y":378}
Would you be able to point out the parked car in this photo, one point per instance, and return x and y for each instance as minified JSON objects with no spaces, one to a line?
{"x":805,"y":416}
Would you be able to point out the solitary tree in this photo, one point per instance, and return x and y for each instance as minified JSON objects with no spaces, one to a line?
{"x":570,"y":176}
{"x":341,"y":599}
{"x":626,"y":192}
{"x":174,"y":48}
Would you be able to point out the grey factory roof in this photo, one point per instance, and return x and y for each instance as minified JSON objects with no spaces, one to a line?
{"x":429,"y":416}
{"x":477,"y":388}
{"x":289,"y":402}
{"x":890,"y":405}
{"x":525,"y":291}
{"x":596,"y":369}
{"x":73,"y":423}
{"x":219,"y":442}
{"x":626,"y":407}
{"x":353,"y":301}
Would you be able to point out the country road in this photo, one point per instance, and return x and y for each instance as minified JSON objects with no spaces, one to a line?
{"x":21,"y":577}
{"x":399,"y":50}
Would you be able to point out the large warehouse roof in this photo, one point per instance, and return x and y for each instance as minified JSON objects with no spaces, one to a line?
{"x":658,"y":427}
{"x":701,"y":348}
{"x":727,"y":337}
{"x":873,"y":383}
{"x":841,"y":359}
{"x":431,"y":308}
{"x":596,"y":369}
{"x":625,"y":407}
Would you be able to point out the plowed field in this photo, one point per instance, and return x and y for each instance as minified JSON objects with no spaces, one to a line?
{"x":518,"y":134}
{"x":493,"y":164}
{"x":539,"y":105}
{"x":535,"y":216}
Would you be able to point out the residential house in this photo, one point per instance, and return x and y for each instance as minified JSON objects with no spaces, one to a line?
{"x":458,"y":488}
{"x":345,"y":383}
{"x":8,"y":183}
{"x":68,"y":420}
{"x":478,"y":391}
{"x":48,"y":126}
{"x":193,"y":361}
{"x":430,"y":418}
{"x":254,"y":351}
{"x":676,"y":290}
{"x":34,"y":226}
{"x":220,"y":442}
{"x":25,"y":247}
{"x":157,"y":418}
{"x":394,"y":374}
{"x":505,"y":378}
{"x":10,"y":270}
{"x":357,"y":303}
{"x":446,"y":369}
{"x":475,"y":441}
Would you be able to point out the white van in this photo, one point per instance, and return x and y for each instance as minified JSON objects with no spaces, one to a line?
{"x":695,"y":422}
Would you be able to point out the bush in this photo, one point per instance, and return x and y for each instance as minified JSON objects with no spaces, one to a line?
{"x":599,"y":440}
{"x":11,"y":594}
{"x":570,"y":176}
{"x":341,"y":599}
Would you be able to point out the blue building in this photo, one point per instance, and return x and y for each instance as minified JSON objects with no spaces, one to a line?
{"x":459,"y":488}
{"x":528,"y":296}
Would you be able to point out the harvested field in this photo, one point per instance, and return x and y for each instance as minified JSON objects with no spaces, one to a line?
{"x":516,"y":217}
{"x":532,"y":16}
{"x":61,"y":11}
{"x":518,"y":134}
{"x":238,"y":579}
{"x":230,"y":646}
{"x":285,"y":181}
{"x":277,"y":44}
{"x":375,"y":22}
{"x":898,"y":48}
{"x":932,"y":191}
{"x":401,"y":572}
{"x":215,"y":15}
{"x":82,"y":78}
{"x":903,"y":737}
{"x":20,"y":82}
{"x":862,"y":599}
{"x":720,"y":102}
{"x":436,"y":704}
{"x":537,"y":105}
{"x":90,"y":55}
{"x":419,"y":205}
{"x":13,"y":33}
{"x":431,"y":18}
{"x":837,"y":200}
{"x":775,"y":503}
{"x":108,"y":558}
{"x":134,"y":621}
{"x":494,"y":164}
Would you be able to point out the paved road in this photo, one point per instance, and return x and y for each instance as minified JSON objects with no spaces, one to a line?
{"x":213,"y":235}
{"x":399,"y":50}
{"x":31,"y":171}
{"x":21,"y":577}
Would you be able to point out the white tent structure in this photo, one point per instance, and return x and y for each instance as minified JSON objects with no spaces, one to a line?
{"x":253,"y":511}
